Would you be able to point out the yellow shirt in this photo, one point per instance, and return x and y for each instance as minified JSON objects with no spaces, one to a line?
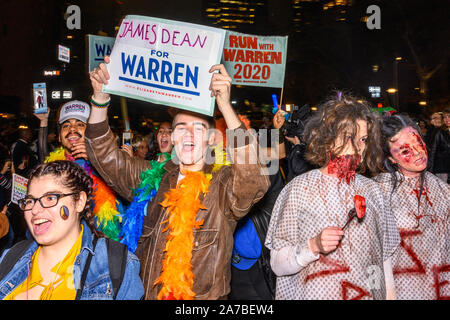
{"x":62,"y":287}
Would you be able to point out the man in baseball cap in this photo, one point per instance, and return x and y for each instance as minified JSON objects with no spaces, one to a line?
{"x":72,"y":120}
{"x":74,"y":110}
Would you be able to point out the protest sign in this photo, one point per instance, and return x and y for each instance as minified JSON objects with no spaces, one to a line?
{"x":19,"y":188}
{"x":165,"y":62}
{"x":98,"y":48}
{"x":255,"y":60}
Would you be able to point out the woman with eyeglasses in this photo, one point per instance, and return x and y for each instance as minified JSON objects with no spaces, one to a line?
{"x":67,"y":259}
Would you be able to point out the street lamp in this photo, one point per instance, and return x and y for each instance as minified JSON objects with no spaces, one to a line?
{"x":396,"y":61}
{"x":391,"y":90}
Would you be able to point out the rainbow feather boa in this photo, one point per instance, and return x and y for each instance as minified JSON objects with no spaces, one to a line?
{"x":108,"y":211}
{"x":134,"y":217}
{"x":183,"y":203}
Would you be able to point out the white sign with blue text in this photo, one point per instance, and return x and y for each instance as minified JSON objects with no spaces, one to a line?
{"x":98,"y":47}
{"x":165,"y":62}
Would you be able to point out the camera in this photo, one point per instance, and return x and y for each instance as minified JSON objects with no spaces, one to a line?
{"x":295,"y":125}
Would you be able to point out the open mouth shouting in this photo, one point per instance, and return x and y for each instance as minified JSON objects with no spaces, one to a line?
{"x":188,"y":146}
{"x":40,"y":225}
{"x":164,"y":144}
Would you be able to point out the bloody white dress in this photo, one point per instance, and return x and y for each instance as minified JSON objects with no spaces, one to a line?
{"x":421,"y":264}
{"x":314,"y":201}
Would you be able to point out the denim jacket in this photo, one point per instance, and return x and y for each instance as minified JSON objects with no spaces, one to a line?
{"x":98,"y":285}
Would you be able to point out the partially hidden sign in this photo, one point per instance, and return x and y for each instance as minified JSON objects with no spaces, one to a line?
{"x":19,"y":188}
{"x":98,"y":48}
{"x":255,"y":60}
{"x":165,"y":62}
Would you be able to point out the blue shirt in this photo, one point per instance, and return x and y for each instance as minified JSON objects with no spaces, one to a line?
{"x":98,"y":285}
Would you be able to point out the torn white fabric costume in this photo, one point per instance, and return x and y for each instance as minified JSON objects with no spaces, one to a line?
{"x":310,"y":203}
{"x":421,"y":264}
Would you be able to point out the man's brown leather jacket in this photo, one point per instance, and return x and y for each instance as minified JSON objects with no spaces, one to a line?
{"x":232,"y":192}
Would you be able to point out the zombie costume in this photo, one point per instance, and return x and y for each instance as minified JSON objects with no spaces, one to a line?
{"x":314,"y":201}
{"x":421,"y":264}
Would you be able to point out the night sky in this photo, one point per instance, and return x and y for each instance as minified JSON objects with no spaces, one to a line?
{"x":325,"y":52}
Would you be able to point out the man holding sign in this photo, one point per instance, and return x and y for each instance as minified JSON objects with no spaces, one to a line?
{"x":186,"y":242}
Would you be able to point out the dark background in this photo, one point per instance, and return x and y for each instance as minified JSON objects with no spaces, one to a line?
{"x":330,"y":47}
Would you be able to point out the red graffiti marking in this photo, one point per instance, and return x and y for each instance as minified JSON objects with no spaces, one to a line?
{"x":425,"y":192}
{"x":345,"y":285}
{"x":339,"y":268}
{"x":419,"y":268}
{"x":436,"y":270}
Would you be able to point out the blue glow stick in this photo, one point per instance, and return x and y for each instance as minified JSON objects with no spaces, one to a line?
{"x":275,"y":103}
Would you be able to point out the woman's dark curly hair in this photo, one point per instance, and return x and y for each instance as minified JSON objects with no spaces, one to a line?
{"x":339,"y":115}
{"x":72,"y":176}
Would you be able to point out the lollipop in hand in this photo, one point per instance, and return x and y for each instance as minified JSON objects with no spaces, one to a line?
{"x":359,"y":210}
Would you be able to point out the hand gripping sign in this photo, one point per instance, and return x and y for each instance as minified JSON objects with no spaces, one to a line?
{"x":255,"y":60}
{"x":165,"y":62}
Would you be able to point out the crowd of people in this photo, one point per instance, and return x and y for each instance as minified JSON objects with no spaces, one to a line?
{"x":355,"y":206}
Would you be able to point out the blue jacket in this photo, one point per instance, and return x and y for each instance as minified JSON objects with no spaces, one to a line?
{"x":98,"y":285}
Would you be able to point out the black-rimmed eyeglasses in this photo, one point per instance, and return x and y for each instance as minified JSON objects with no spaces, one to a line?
{"x":47,"y":200}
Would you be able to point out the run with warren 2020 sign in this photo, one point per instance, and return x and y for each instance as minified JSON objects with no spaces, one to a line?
{"x":165,"y":62}
{"x":255,"y":60}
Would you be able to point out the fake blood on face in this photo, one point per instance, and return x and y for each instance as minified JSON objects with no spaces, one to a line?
{"x":344,"y":166}
{"x":409,"y":151}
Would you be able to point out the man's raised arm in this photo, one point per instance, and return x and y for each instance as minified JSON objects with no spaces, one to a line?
{"x":117,"y":168}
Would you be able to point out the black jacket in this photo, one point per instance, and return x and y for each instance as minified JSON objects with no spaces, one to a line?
{"x":297,"y":163}
{"x":440,"y":153}
{"x":21,"y":151}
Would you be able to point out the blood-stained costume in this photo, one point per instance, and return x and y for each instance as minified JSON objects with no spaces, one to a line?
{"x":307,"y":205}
{"x":420,"y":203}
{"x":421,"y":264}
{"x":319,"y":250}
